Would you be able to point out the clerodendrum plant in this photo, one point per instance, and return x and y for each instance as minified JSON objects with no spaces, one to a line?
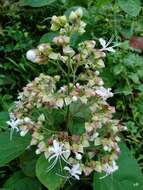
{"x":67,"y":115}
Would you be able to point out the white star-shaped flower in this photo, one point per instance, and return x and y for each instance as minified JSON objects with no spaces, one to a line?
{"x":57,"y":152}
{"x":75,"y":171}
{"x":105,"y":45}
{"x":104,"y":93}
{"x":14,"y":122}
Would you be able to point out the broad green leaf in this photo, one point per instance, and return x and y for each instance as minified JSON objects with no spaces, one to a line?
{"x":28,"y":163}
{"x":28,"y":183}
{"x":10,"y":183}
{"x":77,"y":109}
{"x":48,"y":37}
{"x":128,"y":177}
{"x":132,"y":7}
{"x":49,"y":179}
{"x":79,"y":114}
{"x":36,"y":3}
{"x":4,"y":116}
{"x":11,"y":149}
{"x":77,"y":126}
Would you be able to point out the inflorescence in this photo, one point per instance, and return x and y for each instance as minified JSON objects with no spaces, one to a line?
{"x":73,"y":123}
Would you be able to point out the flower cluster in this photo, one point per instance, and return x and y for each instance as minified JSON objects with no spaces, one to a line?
{"x":73,"y":123}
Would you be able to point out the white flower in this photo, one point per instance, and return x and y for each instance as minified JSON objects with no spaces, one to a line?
{"x":31,"y":55}
{"x":105,"y":46}
{"x":58,"y":152}
{"x":74,"y":171}
{"x":104,"y":93}
{"x":109,"y":169}
{"x":14,"y":122}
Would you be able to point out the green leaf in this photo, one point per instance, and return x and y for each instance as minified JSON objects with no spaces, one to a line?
{"x":118,"y":69}
{"x":36,"y":3}
{"x":124,"y":89}
{"x":4,"y":116}
{"x":10,"y":183}
{"x":74,"y":40}
{"x":48,"y":37}
{"x":102,"y":3}
{"x":77,"y":126}
{"x":134,"y":77}
{"x":77,"y":109}
{"x":128,"y":177}
{"x":50,"y":179}
{"x":79,"y":114}
{"x":28,"y":183}
{"x":28,"y":163}
{"x":131,"y":7}
{"x":11,"y":149}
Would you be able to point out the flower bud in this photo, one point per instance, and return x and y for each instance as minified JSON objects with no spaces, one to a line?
{"x":61,"y":40}
{"x":100,"y":63}
{"x":62,"y":20}
{"x":68,"y":51}
{"x":54,"y":56}
{"x":78,"y":156}
{"x":73,"y":16}
{"x":45,"y":48}
{"x":31,"y":55}
{"x":79,"y":12}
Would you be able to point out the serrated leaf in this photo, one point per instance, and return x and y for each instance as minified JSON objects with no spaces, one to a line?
{"x":36,"y":3}
{"x":11,"y":149}
{"x":128,"y":176}
{"x":49,"y":179}
{"x":131,"y":7}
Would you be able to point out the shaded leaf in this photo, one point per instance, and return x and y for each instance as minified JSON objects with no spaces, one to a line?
{"x":28,"y":183}
{"x":48,"y":37}
{"x":77,"y":126}
{"x":11,"y":149}
{"x":28,"y":163}
{"x":132,"y":7}
{"x":36,"y":3}
{"x":4,"y":116}
{"x":50,"y":179}
{"x":128,"y":176}
{"x":10,"y":183}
